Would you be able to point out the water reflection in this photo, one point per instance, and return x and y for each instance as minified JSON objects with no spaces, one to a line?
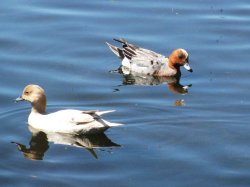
{"x":179,"y":102}
{"x":39,"y":143}
{"x":173,"y":83}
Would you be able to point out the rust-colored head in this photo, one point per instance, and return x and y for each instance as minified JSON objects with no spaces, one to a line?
{"x":179,"y":57}
{"x":36,"y":96}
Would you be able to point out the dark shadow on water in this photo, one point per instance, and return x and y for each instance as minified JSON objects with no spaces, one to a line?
{"x":39,"y":143}
{"x":173,"y":83}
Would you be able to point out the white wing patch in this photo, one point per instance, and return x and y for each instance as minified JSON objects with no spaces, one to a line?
{"x":82,"y":118}
{"x":126,"y":62}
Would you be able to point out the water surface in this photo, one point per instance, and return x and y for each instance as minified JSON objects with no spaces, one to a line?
{"x":200,"y":138}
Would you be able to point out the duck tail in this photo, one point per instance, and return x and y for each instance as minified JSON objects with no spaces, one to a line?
{"x":111,"y":124}
{"x":104,"y":112}
{"x":116,"y":50}
{"x":121,"y":40}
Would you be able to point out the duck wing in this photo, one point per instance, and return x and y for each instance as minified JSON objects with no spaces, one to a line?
{"x":83,"y":118}
{"x":140,"y":56}
{"x":69,"y":117}
{"x":88,"y":116}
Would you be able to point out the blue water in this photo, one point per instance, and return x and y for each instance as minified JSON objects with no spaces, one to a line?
{"x":197,"y":138}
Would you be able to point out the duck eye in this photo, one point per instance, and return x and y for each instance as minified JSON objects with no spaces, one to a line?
{"x":26,"y":92}
{"x":181,"y":56}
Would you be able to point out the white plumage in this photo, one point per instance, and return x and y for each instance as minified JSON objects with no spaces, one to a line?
{"x":64,"y":121}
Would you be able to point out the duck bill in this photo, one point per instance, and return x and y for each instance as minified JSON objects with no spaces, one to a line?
{"x":19,"y":99}
{"x":187,"y":67}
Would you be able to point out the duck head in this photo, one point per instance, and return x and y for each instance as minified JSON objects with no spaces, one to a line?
{"x":179,"y":57}
{"x":36,"y":96}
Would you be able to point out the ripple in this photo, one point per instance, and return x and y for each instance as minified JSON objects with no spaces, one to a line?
{"x":60,"y":45}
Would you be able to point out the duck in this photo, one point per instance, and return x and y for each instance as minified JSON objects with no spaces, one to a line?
{"x":68,"y":121}
{"x":147,"y":62}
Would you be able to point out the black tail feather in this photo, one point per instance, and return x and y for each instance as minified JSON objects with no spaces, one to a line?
{"x":127,"y":51}
{"x":121,"y":40}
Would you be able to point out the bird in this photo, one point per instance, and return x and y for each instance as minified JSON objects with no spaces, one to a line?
{"x":143,"y":61}
{"x":69,"y":121}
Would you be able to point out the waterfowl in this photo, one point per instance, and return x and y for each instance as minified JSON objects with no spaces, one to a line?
{"x":147,"y":62}
{"x":64,"y":121}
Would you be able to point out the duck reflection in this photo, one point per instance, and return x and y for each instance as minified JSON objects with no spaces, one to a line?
{"x":179,"y":102}
{"x":173,"y":83}
{"x":39,"y":143}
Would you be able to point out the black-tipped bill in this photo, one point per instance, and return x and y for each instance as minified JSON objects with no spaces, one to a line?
{"x":187,"y":67}
{"x":19,"y":99}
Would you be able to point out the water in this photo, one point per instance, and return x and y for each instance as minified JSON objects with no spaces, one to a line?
{"x":199,"y":138}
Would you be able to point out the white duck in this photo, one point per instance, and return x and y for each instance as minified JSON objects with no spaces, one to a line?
{"x":143,"y":61}
{"x":64,"y":121}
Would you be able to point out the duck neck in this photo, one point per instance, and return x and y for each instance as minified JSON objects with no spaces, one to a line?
{"x":39,"y":106}
{"x":174,"y":66}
